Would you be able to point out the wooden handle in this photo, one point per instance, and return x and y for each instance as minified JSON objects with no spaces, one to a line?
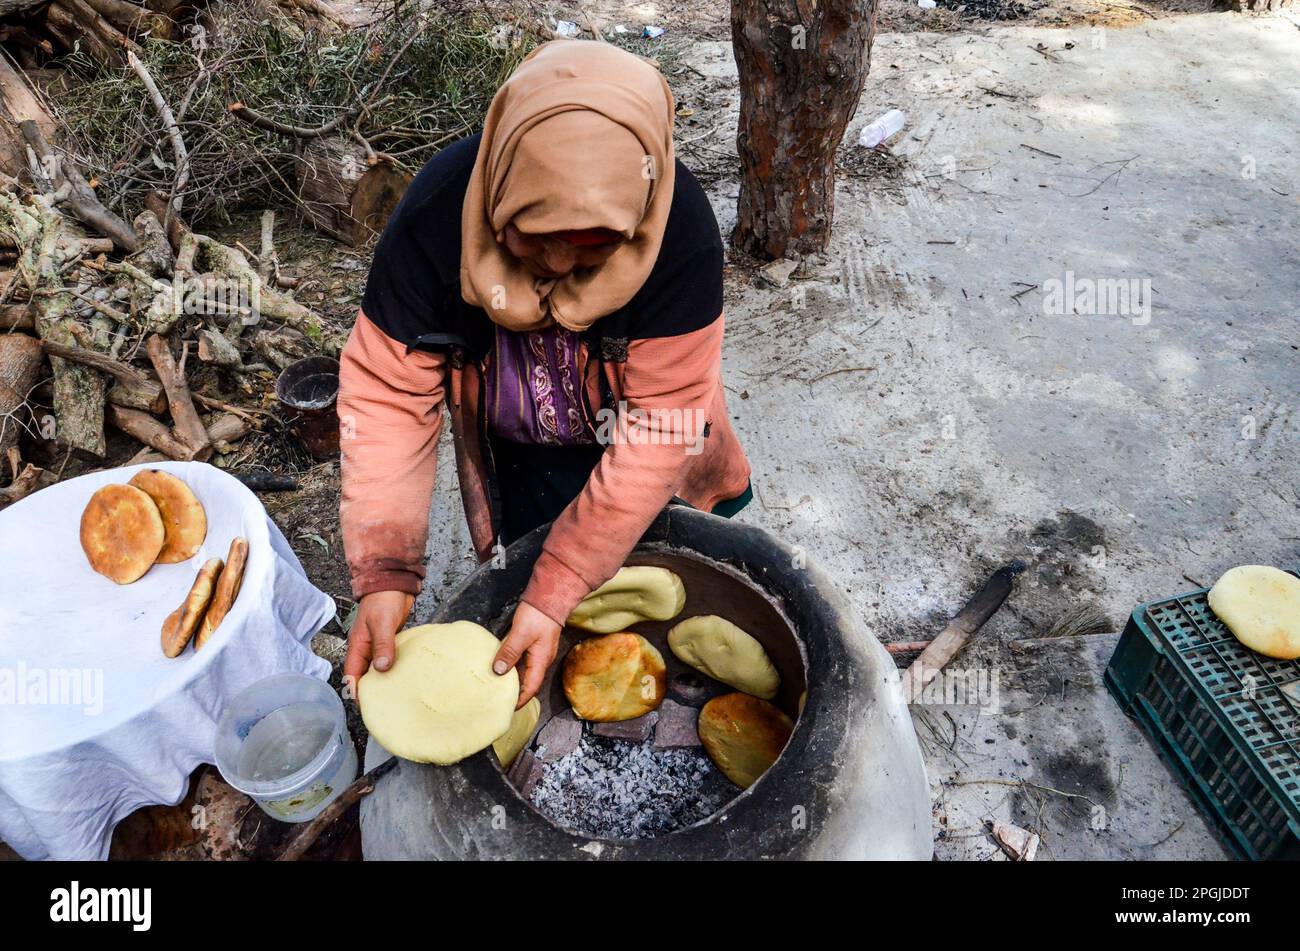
{"x":960,"y":630}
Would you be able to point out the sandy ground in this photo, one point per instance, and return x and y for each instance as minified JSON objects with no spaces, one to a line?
{"x":917,"y":414}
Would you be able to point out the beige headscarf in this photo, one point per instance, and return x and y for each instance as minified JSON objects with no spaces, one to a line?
{"x":579,"y":136}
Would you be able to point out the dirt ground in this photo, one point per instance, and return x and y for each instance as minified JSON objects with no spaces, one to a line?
{"x":1103,"y":454}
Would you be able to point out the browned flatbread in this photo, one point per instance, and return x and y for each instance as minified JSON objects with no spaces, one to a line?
{"x":184,"y":520}
{"x":743,"y":735}
{"x":184,"y":621}
{"x":121,"y":532}
{"x":232,"y":576}
{"x":616,"y":677}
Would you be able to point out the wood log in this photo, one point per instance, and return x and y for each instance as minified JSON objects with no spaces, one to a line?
{"x":131,"y":387}
{"x":185,"y":418}
{"x":25,"y":483}
{"x":18,"y":103}
{"x":342,"y":192}
{"x":216,"y":349}
{"x":81,"y":200}
{"x":282,"y":347}
{"x":17,"y":317}
{"x":114,"y":38}
{"x":131,"y":19}
{"x":156,"y":202}
{"x":144,"y":428}
{"x":79,"y":391}
{"x":73,"y":29}
{"x":154,"y":253}
{"x":70,"y":243}
{"x":790,"y":54}
{"x":20,"y":369}
{"x":10,"y":7}
{"x":227,"y":429}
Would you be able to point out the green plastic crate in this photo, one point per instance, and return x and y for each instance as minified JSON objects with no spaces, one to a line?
{"x":1225,"y":720}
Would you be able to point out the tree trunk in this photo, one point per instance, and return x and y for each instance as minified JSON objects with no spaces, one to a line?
{"x":802,"y":66}
{"x":342,"y":193}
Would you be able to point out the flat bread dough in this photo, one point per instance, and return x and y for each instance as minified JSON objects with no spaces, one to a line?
{"x":440,"y":701}
{"x":743,"y":736}
{"x":121,"y":532}
{"x":716,"y":647}
{"x":1261,"y":607}
{"x":509,"y":744}
{"x":637,"y":593}
{"x":616,"y":677}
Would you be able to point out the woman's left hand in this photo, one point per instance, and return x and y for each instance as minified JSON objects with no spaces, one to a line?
{"x":533,"y":634}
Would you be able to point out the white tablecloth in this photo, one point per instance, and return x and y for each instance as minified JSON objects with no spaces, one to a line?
{"x":94,"y":721}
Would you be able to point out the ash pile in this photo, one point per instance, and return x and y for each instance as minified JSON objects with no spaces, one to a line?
{"x":629,"y":780}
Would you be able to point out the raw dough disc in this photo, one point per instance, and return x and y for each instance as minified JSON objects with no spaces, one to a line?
{"x":1261,"y":606}
{"x":638,"y":593}
{"x":440,"y":701}
{"x":616,"y":677}
{"x":718,"y":648}
{"x":743,"y":736}
{"x":509,"y":743}
{"x":121,"y":532}
{"x":184,"y":522}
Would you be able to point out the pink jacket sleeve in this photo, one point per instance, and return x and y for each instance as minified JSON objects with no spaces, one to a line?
{"x":637,"y":475}
{"x":390,"y":417}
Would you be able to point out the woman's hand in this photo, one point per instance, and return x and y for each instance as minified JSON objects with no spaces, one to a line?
{"x":534,"y":634}
{"x":380,"y":615}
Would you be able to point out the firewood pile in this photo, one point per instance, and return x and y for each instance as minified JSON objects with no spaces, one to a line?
{"x":120,"y":324}
{"x":126,"y":132}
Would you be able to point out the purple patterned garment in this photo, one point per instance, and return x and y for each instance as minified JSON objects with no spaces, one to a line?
{"x":534,"y":388}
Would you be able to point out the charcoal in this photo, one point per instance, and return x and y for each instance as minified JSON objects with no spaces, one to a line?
{"x":610,"y":788}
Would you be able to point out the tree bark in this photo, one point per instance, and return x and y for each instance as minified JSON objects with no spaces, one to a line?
{"x":20,"y":366}
{"x":802,"y":66}
{"x":18,"y":104}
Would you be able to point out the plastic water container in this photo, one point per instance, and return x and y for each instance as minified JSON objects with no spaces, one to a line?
{"x":284,"y":741}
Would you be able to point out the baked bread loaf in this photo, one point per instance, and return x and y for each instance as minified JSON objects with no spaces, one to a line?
{"x":185,"y":524}
{"x":743,"y":735}
{"x":716,"y":647}
{"x":440,"y":701}
{"x":121,"y":533}
{"x":616,"y":677}
{"x":227,"y":589}
{"x":1261,"y":606}
{"x":638,"y":593}
{"x":184,"y":621}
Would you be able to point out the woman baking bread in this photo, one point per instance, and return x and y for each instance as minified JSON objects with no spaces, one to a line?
{"x":536,"y":278}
